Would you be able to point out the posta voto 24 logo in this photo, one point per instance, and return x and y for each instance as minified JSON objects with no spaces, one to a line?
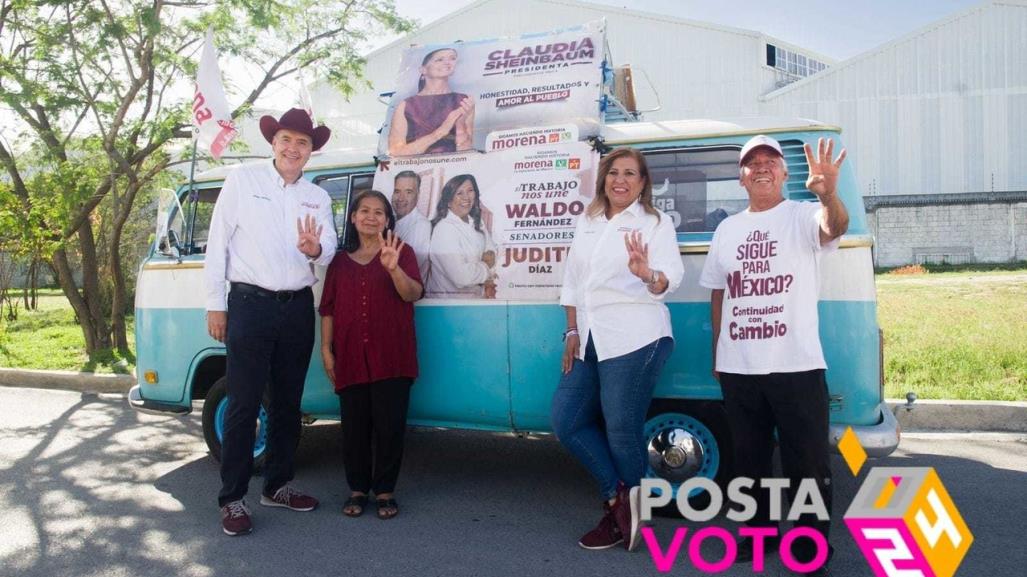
{"x":902,"y":518}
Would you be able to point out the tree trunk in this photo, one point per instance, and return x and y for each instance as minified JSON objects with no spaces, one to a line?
{"x":30,"y":294}
{"x":92,"y":292}
{"x":66,"y":279}
{"x":123,"y":210}
{"x":119,"y":298}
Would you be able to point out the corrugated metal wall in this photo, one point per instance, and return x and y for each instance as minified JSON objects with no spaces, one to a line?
{"x":942,"y":110}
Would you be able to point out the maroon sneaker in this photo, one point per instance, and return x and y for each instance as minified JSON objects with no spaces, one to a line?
{"x":626,"y":512}
{"x":235,"y":518}
{"x":605,"y":535}
{"x":289,"y":498}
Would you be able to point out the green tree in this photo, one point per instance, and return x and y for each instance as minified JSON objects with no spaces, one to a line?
{"x":101,"y":87}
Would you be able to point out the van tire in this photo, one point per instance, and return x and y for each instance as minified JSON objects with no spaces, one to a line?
{"x":214,"y":408}
{"x":706,"y":423}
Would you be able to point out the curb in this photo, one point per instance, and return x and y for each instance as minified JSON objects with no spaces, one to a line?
{"x":925,"y":415}
{"x":946,"y":415}
{"x":66,"y":380}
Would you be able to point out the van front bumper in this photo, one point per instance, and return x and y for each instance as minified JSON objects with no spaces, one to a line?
{"x":878,"y":440}
{"x":137,"y":402}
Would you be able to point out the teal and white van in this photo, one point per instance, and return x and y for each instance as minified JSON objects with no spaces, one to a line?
{"x":509,"y":351}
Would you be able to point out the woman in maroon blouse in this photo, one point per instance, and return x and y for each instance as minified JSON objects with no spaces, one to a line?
{"x":369,"y":350}
{"x":436,"y":119}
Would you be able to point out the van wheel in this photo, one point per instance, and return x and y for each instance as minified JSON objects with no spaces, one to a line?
{"x":215,"y":409}
{"x":686,"y":439}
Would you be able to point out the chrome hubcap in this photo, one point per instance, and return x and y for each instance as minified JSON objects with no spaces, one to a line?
{"x":675,"y":454}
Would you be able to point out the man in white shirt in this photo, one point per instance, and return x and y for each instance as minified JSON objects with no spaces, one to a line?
{"x":270,"y":227}
{"x":763,"y":268}
{"x":412,"y":227}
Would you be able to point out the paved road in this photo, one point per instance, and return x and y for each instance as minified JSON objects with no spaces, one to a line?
{"x":89,"y":487}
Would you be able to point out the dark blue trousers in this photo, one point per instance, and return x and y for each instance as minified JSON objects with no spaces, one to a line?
{"x":269,"y":342}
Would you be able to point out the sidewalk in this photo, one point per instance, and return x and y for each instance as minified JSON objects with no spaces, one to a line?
{"x":924,"y":415}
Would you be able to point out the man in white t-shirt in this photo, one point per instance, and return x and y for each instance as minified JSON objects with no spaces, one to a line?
{"x":412,"y":227}
{"x":764,"y":268}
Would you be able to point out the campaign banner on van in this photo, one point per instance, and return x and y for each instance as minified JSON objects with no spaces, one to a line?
{"x":491,"y":226}
{"x":449,"y":97}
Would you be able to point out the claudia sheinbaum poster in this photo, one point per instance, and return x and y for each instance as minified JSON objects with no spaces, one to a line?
{"x":450,"y":97}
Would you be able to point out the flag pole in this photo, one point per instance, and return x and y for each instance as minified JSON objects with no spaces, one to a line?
{"x":193,"y":195}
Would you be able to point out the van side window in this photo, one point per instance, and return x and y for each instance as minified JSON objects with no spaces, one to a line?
{"x":697,"y":187}
{"x":362,"y":182}
{"x":341,"y":188}
{"x":337,"y":188}
{"x":200,"y":209}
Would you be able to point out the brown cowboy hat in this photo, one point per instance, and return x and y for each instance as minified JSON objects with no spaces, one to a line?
{"x":298,"y":120}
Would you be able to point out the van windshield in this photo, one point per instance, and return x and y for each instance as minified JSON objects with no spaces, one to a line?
{"x":698,"y":188}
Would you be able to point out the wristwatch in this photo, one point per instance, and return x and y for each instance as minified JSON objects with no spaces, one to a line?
{"x":655,"y":279}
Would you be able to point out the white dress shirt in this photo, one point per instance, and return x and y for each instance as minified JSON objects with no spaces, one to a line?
{"x":415,"y":230}
{"x":612,"y":304}
{"x":253,"y":233}
{"x":457,"y":270}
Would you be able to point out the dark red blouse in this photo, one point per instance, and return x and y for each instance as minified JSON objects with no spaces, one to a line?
{"x":373,"y":327}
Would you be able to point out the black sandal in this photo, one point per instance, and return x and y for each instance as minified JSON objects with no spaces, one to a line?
{"x":387,"y":508}
{"x":359,"y":502}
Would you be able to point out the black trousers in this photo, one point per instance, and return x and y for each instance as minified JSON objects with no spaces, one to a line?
{"x":269,"y":346}
{"x":796,"y":404}
{"x":374,"y":414}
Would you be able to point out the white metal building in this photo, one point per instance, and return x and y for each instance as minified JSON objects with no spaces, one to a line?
{"x":940,"y":110}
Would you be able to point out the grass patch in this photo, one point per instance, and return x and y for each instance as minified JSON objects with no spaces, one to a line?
{"x":1020,"y":266}
{"x":955,"y":335}
{"x":49,"y":338}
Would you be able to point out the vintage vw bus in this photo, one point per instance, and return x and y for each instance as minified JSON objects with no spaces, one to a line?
{"x":507,"y":382}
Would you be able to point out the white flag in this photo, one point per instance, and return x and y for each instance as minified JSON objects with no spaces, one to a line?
{"x":211,"y":114}
{"x":304,"y":100}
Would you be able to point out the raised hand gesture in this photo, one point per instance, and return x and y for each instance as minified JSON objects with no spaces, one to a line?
{"x":638,"y":255}
{"x":823,"y":173}
{"x":391,"y":246}
{"x":309,"y":233}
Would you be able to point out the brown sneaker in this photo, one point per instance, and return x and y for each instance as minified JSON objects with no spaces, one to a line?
{"x":626,"y":511}
{"x":235,"y":518}
{"x":605,"y":535}
{"x":289,"y":498}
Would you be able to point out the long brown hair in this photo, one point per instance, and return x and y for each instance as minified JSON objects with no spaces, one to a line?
{"x":601,"y":204}
{"x":449,"y":191}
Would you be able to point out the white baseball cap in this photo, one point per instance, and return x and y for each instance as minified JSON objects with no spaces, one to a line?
{"x":757,"y":142}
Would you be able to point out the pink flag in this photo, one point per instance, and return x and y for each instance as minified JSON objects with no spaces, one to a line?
{"x":211,"y":114}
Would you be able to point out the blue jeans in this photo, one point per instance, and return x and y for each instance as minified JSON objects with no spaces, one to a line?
{"x":599,"y":411}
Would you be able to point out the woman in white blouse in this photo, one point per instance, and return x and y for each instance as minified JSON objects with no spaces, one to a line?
{"x":624,"y":260}
{"x":462,"y":254}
